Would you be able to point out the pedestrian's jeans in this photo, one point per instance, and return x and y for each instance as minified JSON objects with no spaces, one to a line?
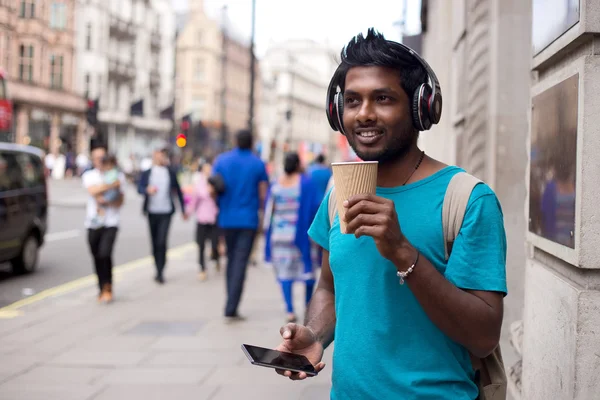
{"x":101,"y":243}
{"x":239,"y":246}
{"x":159,"y":231}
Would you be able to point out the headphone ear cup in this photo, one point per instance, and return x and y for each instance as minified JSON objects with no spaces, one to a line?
{"x":339,"y":102}
{"x":416,"y":117}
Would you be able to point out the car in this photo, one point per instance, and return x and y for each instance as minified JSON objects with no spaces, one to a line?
{"x":23,"y":206}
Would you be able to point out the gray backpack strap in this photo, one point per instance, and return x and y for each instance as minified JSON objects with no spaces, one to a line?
{"x":331,"y":206}
{"x":456,"y":200}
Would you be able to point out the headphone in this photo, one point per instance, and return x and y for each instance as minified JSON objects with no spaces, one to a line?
{"x":426,"y":101}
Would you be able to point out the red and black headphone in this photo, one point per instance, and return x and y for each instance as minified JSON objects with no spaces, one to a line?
{"x":426,"y":101}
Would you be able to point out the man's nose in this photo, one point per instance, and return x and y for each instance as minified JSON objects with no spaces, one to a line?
{"x":366,"y":113}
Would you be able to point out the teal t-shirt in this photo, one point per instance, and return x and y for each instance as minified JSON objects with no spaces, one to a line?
{"x":386,"y":347}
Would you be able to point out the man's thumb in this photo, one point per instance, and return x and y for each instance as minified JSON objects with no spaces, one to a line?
{"x":288,"y":331}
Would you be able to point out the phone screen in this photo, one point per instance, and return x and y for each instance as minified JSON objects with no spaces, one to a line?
{"x":277,"y":359}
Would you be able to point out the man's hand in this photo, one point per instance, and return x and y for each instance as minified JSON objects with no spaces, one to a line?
{"x":185,"y":216}
{"x":116,"y":184}
{"x":299,"y":339}
{"x":369,"y":215}
{"x":151,"y":190}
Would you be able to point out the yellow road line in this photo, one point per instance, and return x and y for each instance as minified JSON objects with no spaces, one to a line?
{"x":12,"y":310}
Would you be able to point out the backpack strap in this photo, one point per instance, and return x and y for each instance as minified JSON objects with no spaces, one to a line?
{"x":331,"y":206}
{"x":456,"y":199}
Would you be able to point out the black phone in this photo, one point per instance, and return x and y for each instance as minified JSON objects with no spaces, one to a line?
{"x":280,"y":360}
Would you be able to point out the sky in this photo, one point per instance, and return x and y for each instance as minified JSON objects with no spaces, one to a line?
{"x":332,"y":22}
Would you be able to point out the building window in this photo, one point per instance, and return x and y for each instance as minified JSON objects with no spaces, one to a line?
{"x":26,"y":63}
{"x":87,"y":86}
{"x":58,"y":15}
{"x":199,"y":70}
{"x":197,"y":111}
{"x":199,"y":37}
{"x":27,"y":9}
{"x":88,"y":36}
{"x":56,"y":71}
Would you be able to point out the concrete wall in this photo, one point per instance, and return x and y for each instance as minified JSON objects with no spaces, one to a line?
{"x":561,"y":343}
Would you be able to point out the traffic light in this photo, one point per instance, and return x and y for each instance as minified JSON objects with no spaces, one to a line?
{"x":92,"y":112}
{"x":184,"y":129}
{"x":181,"y":140}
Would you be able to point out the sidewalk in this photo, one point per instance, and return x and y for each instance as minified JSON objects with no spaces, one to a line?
{"x":153,"y":342}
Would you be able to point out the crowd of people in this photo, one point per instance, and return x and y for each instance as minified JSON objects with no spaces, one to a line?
{"x":232,"y":200}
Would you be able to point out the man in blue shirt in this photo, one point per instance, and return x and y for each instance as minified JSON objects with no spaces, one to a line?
{"x":320,"y":173}
{"x":245,"y":186}
{"x":413,"y":340}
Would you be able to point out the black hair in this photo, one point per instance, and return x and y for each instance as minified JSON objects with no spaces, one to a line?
{"x":97,"y":144}
{"x":244,"y":139}
{"x":375,"y":50}
{"x":291,"y":163}
{"x":320,"y":159}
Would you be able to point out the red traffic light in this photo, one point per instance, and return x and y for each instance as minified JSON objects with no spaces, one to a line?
{"x":180,"y":136}
{"x":185,"y":125}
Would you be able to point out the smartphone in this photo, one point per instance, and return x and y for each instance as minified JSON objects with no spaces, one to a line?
{"x":280,"y":360}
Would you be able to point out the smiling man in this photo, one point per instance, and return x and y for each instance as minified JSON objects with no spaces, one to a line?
{"x":395,"y":340}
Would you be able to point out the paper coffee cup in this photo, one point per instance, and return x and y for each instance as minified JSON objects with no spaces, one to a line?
{"x":352,"y":178}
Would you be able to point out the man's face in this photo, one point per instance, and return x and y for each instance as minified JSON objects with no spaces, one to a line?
{"x":377,"y":116}
{"x":97,"y":156}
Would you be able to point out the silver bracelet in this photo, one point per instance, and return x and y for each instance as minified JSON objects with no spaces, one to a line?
{"x":404,"y":275}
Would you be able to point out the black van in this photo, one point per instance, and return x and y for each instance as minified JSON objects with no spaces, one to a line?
{"x":23,"y":205}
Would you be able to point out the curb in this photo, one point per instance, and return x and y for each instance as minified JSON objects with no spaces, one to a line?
{"x":68,"y":203}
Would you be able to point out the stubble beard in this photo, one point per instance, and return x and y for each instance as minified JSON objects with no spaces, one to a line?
{"x":395,"y":149}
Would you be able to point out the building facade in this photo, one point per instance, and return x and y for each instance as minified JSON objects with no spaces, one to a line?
{"x":295,"y":76}
{"x":213,"y":80}
{"x":37,"y":53}
{"x":126,"y":61}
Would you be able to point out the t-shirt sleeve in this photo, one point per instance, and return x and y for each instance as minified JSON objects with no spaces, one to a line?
{"x":217,"y":167}
{"x":263,"y":176}
{"x":319,"y":229}
{"x":89,"y":179}
{"x":478,"y":258}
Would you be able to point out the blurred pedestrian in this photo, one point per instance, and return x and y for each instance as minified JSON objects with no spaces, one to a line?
{"x":320,"y":173}
{"x":291,"y":206}
{"x":242,"y":183}
{"x":203,"y":204}
{"x":102,"y":236}
{"x":158,"y":185}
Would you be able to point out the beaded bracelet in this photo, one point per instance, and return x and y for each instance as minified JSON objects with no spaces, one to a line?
{"x":404,"y":275}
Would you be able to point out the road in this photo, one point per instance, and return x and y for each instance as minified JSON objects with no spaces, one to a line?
{"x":65,"y":255}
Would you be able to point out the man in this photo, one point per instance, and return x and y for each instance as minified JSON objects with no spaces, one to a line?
{"x":392,"y":340}
{"x":158,"y":185}
{"x":101,"y":237}
{"x":246,"y":182}
{"x":320,"y":174}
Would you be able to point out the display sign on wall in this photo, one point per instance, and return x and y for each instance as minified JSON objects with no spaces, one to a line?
{"x":552,"y":18}
{"x":552,"y":191}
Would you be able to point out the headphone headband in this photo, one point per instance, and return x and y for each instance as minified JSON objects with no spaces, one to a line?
{"x":427,"y":107}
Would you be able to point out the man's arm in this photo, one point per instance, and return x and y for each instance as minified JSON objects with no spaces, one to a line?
{"x":472,"y":318}
{"x":96,"y":190}
{"x":320,"y":316}
{"x":178,"y":190}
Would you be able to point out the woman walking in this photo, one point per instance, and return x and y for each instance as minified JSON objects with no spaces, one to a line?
{"x":290,"y":209}
{"x":203,"y":204}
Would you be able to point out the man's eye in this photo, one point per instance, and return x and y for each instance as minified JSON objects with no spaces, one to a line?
{"x":350,"y":100}
{"x":384,"y":98}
